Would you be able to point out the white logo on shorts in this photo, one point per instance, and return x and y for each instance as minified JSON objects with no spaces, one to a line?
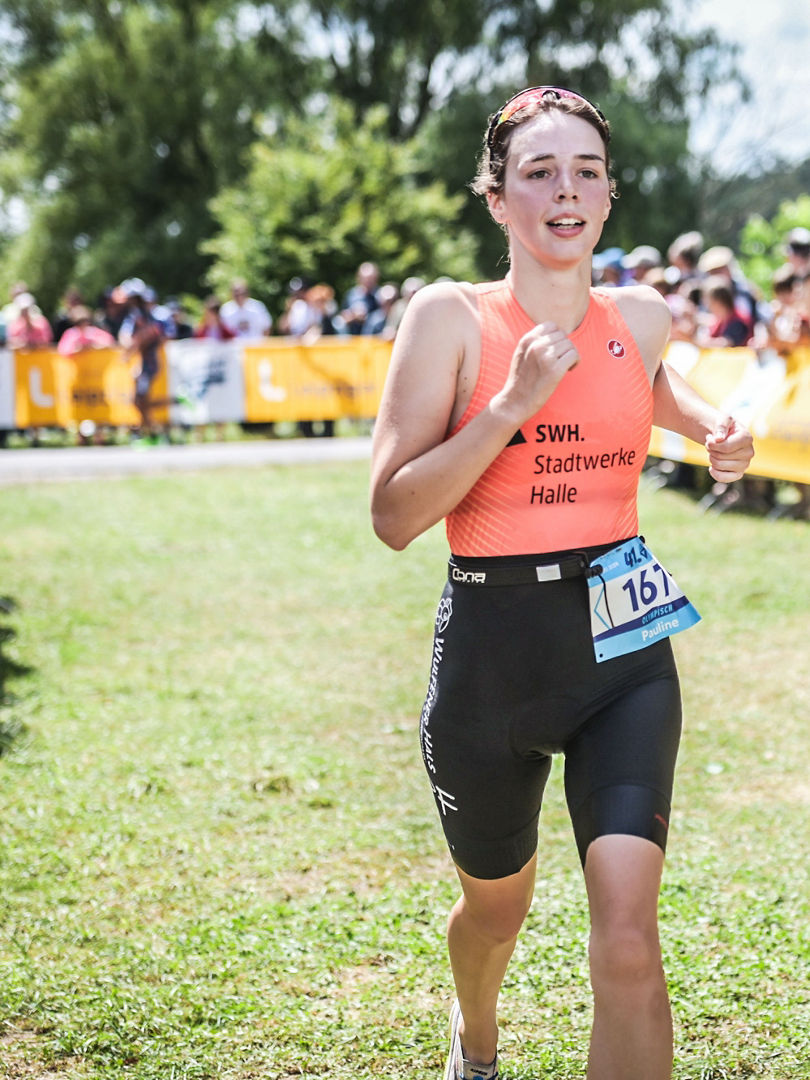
{"x":443,"y":614}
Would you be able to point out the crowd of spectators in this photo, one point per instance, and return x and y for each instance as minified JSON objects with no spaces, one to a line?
{"x":131,"y":315}
{"x":712,"y":303}
{"x":714,"y":306}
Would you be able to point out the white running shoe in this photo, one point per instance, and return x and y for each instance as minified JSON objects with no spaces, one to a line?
{"x":458,"y":1068}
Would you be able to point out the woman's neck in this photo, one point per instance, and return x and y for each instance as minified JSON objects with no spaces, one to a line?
{"x":560,"y":296}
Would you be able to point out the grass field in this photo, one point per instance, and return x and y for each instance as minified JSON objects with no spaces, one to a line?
{"x":220,"y":856}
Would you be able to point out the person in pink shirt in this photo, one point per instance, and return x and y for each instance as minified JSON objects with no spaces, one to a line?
{"x":30,"y":329}
{"x":83,"y":334}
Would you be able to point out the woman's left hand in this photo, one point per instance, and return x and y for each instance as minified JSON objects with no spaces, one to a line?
{"x":730,"y":448}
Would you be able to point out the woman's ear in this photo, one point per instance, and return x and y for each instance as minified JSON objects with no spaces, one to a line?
{"x":497,"y":209}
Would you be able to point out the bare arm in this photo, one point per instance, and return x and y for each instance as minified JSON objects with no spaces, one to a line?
{"x":418,"y":474}
{"x":677,"y":407}
{"x":681,"y":409}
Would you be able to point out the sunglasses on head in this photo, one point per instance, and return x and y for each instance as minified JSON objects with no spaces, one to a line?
{"x":528,"y":97}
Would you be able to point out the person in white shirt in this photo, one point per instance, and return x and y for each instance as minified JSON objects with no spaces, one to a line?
{"x":245,"y":316}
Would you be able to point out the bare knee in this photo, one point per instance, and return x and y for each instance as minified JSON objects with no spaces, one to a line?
{"x":625,"y":956}
{"x":500,"y":924}
{"x":496,"y":909}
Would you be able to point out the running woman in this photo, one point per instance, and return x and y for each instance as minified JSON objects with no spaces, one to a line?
{"x":520,"y":411}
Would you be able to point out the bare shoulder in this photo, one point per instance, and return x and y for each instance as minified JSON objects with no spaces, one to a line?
{"x":647,"y":314}
{"x":443,"y":302}
{"x":436,"y":339}
{"x":644,"y":307}
{"x":438,"y":332}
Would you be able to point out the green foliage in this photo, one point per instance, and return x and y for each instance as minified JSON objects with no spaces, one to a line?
{"x":727,"y":202}
{"x":640,"y":62}
{"x":325,"y":195}
{"x":762,"y":243}
{"x":122,"y":122}
{"x":125,"y":128}
{"x":389,"y":53}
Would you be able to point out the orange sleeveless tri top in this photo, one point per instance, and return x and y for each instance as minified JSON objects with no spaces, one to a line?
{"x":569,"y":477}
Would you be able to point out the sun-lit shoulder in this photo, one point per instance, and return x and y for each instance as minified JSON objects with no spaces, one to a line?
{"x":647,"y":314}
{"x":644,"y":302}
{"x":443,"y":299}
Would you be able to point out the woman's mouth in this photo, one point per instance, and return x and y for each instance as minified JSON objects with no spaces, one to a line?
{"x":566,"y":226}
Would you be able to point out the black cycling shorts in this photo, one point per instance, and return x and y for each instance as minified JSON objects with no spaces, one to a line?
{"x":514,"y":680}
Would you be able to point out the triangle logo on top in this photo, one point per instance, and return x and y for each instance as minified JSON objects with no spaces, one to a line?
{"x":517,"y":439}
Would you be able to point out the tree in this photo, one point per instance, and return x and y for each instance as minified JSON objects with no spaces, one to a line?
{"x":401,"y":55}
{"x":121,"y":121}
{"x":728,"y":202}
{"x":762,"y":242}
{"x":638,"y":61}
{"x":326,"y":195}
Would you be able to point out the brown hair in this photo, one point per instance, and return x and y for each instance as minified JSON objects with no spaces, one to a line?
{"x":717,"y":288}
{"x":491,"y":173}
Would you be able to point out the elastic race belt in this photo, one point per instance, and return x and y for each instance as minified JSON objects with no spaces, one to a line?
{"x":574,"y":565}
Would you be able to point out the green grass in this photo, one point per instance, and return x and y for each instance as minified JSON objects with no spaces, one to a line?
{"x":219,"y":854}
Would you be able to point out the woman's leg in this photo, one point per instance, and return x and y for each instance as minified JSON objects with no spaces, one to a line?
{"x":481,"y":935}
{"x":632,"y":1027}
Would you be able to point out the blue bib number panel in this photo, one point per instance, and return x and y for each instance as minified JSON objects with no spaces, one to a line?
{"x":634,"y":601}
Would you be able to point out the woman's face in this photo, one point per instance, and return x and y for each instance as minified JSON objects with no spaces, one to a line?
{"x":556,"y":194}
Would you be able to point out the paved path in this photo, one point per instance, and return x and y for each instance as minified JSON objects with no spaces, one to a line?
{"x":85,"y":462}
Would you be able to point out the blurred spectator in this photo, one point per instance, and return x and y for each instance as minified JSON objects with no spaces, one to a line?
{"x":322,"y":319}
{"x":608,"y":268}
{"x":307,"y":307}
{"x":30,"y":329}
{"x":377,"y":322}
{"x":320,"y":314}
{"x":720,"y":261}
{"x":11,"y":311}
{"x":803,"y":304}
{"x":726,"y":329}
{"x":179,"y":325}
{"x":683,"y":255}
{"x":211,"y":325}
{"x":142,"y":333}
{"x":114,"y":309}
{"x":71,"y":300}
{"x":683,"y":310}
{"x":797,"y":250}
{"x":81,"y":334}
{"x":784,"y":327}
{"x":657,"y":279}
{"x":245,"y":316}
{"x":409,"y":288}
{"x":639,"y":261}
{"x":296,"y":298}
{"x":361,"y":299}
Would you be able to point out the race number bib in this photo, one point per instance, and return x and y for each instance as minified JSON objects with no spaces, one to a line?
{"x":634,"y":601}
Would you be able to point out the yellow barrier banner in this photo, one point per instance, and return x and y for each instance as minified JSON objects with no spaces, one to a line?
{"x":281,"y":379}
{"x":782,"y":432}
{"x":43,"y":388}
{"x":765,"y":391}
{"x":51,"y":390}
{"x":103,"y":390}
{"x":333,"y":378}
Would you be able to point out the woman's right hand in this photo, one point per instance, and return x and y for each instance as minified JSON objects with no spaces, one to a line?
{"x":543,"y":356}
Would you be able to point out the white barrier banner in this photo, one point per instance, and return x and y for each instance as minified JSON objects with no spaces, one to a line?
{"x":206,"y":381}
{"x":7,"y":392}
